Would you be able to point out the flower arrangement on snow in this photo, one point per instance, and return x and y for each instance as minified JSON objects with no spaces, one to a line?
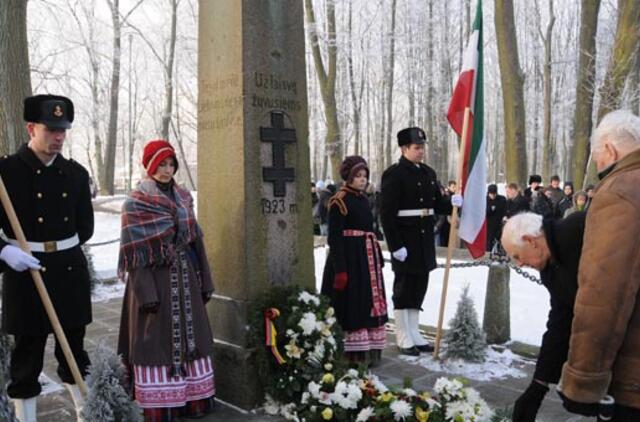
{"x":308,"y":380}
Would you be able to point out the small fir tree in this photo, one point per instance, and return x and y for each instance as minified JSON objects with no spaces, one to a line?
{"x":465,"y":338}
{"x":108,"y":400}
{"x":6,"y":410}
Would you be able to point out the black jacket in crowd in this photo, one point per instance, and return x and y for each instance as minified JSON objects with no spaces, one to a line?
{"x":407,"y":186}
{"x":52,"y":203}
{"x":516,"y":205}
{"x":496,"y":210}
{"x":560,"y":277}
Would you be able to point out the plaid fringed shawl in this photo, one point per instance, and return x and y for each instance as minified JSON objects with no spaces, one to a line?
{"x":154,"y":227}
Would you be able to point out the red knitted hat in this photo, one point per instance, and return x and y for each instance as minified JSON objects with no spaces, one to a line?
{"x":153,"y":154}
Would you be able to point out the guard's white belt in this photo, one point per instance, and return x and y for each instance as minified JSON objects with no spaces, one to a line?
{"x":416,"y":213}
{"x":50,"y":246}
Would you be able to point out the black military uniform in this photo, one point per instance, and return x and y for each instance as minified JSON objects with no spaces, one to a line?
{"x":410,"y":199}
{"x":53,"y":204}
{"x":496,"y":210}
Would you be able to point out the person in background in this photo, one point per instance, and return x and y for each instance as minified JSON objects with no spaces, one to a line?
{"x":542,"y":203}
{"x":321,"y":212}
{"x":353,"y":271}
{"x":590,"y":189}
{"x":445,"y":220}
{"x":552,"y":247}
{"x":165,"y":339}
{"x":314,"y":209}
{"x":579,"y":203}
{"x":567,"y":201}
{"x":496,"y":210}
{"x":373,"y":196}
{"x":516,"y":203}
{"x":535,"y":180}
{"x":554,"y":193}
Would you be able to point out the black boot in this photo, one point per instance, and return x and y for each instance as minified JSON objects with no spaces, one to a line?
{"x":409,"y":351}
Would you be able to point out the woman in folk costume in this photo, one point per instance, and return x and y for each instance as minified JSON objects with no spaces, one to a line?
{"x":353,"y":271}
{"x":165,"y":337}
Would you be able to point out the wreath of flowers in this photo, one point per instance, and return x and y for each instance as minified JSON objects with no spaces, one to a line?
{"x":307,"y":380}
{"x":307,"y":337}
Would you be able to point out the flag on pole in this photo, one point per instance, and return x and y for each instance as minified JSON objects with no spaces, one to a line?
{"x":468,"y":93}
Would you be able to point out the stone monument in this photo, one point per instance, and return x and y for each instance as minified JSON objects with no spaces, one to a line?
{"x":254,"y":201}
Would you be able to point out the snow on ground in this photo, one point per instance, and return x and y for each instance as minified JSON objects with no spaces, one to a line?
{"x":529,"y":301}
{"x":497,"y":365}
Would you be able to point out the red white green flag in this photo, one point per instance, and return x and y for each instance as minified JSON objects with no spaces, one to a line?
{"x":469,"y":93}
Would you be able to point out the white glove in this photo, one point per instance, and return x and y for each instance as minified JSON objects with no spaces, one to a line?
{"x":18,"y":260}
{"x":456,"y":200}
{"x":400,"y":254}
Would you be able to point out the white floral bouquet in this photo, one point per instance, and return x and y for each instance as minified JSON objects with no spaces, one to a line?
{"x":307,"y":342}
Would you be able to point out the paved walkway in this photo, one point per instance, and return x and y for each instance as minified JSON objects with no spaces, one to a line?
{"x":56,"y":406}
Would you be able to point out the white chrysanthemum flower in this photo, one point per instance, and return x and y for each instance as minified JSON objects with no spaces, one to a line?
{"x":401,"y":409}
{"x":324,"y":398}
{"x":365,"y":414}
{"x":318,"y":351}
{"x":409,"y":392}
{"x":378,"y":384}
{"x":308,"y":323}
{"x":460,"y":409}
{"x":354,"y":392}
{"x":306,"y":297}
{"x":352,"y":373}
{"x":305,"y":398}
{"x":314,"y":389}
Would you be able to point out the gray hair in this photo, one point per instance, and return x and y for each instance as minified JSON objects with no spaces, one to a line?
{"x":621,"y":128}
{"x":525,"y":223}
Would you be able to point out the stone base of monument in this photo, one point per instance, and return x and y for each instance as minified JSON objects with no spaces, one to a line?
{"x":233,"y":363}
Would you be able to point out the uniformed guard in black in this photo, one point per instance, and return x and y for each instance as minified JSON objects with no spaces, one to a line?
{"x":51,"y":198}
{"x":410,"y":200}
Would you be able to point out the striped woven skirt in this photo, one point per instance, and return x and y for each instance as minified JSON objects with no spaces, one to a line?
{"x":155,"y":388}
{"x":365,"y":339}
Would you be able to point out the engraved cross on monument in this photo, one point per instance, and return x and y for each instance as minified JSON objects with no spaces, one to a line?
{"x":278,"y":174}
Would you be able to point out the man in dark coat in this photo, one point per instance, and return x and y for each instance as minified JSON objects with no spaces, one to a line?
{"x":496,"y":209}
{"x":516,"y":203}
{"x":553,"y":247}
{"x":535,"y":180}
{"x":51,"y":197}
{"x":410,"y":200}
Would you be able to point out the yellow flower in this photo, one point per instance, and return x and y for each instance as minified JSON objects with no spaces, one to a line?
{"x":421,"y":415}
{"x":328,"y":378}
{"x":425,"y":396}
{"x":327,"y":414}
{"x":386,"y":397}
{"x":330,"y":312}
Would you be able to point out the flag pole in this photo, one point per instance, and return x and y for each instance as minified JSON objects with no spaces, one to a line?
{"x":453,"y":233}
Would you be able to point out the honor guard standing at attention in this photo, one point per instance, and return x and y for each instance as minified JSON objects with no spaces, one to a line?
{"x":51,"y":198}
{"x":411,"y":198}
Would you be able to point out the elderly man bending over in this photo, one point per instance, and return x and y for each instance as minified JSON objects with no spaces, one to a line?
{"x":604,"y":351}
{"x":553,"y":248}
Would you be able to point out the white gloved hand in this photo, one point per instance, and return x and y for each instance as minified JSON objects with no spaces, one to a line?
{"x":456,"y":200}
{"x":400,"y":254}
{"x":18,"y":260}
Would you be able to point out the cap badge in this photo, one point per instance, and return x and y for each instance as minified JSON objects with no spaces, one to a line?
{"x":57,"y":111}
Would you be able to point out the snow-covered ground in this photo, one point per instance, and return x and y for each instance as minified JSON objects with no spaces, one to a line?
{"x":529,"y":301}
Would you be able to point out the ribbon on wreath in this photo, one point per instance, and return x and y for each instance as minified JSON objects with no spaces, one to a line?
{"x":271,"y":334}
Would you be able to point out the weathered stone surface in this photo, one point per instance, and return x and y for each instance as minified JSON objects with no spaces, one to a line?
{"x":497,"y":322}
{"x":253,"y":166}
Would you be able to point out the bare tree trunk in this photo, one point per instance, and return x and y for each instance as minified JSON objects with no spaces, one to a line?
{"x":15,"y":73}
{"x":356,"y":100}
{"x":512,"y":92}
{"x":107,"y":183}
{"x":390,"y":82}
{"x":327,"y":81}
{"x":548,"y":148}
{"x":430,"y":94}
{"x":168,"y":73}
{"x":584,"y":89}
